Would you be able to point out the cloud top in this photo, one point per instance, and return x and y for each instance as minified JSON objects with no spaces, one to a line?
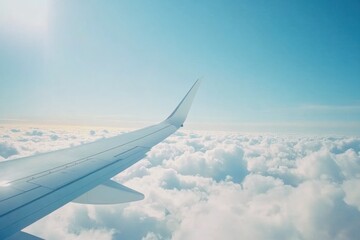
{"x":215,"y":186}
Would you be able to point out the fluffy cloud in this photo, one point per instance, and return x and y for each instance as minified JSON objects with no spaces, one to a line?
{"x":200,"y":185}
{"x":7,"y":150}
{"x":352,"y":195}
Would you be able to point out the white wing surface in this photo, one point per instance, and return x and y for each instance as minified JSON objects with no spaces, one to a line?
{"x":32,"y":187}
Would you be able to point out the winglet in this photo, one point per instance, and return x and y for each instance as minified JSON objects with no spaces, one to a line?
{"x":178,"y":116}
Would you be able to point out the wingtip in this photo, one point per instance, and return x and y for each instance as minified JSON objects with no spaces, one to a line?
{"x":178,"y":116}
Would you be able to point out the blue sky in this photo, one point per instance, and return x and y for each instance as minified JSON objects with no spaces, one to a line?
{"x":283,"y":66}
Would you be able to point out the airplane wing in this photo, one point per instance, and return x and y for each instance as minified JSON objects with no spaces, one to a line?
{"x":32,"y":187}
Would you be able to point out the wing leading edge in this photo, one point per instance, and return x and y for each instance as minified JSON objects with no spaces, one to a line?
{"x":32,"y":187}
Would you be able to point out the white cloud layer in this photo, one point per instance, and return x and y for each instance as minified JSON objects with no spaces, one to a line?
{"x":214,"y":186}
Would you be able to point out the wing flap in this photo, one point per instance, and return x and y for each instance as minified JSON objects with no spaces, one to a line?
{"x":11,"y":203}
{"x":109,"y":192}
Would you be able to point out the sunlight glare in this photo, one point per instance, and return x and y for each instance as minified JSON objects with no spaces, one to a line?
{"x":24,"y":17}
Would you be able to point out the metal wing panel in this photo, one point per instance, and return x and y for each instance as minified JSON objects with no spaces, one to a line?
{"x":9,"y":170}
